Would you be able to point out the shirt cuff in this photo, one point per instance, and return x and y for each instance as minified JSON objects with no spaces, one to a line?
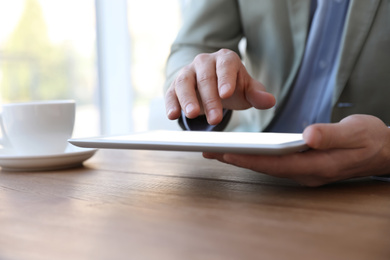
{"x":200,"y":123}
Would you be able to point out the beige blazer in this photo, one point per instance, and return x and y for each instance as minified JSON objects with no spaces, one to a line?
{"x":275,"y":33}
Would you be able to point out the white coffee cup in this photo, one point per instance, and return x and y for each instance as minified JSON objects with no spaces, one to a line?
{"x":37,"y":128}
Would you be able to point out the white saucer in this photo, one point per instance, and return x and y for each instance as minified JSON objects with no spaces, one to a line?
{"x":72,"y":157}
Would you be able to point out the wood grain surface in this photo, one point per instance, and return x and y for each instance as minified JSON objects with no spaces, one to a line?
{"x":177,"y":205}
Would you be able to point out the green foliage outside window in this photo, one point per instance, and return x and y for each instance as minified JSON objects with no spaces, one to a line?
{"x":32,"y":67}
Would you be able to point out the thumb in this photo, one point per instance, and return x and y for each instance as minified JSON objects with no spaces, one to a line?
{"x":258,"y":97}
{"x":348,"y":133}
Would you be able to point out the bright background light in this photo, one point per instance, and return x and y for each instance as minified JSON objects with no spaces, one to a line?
{"x":71,"y":32}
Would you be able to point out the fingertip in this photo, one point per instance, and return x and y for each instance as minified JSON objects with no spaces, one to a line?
{"x":173,"y":114}
{"x":213,"y":156}
{"x":208,"y":155}
{"x":271,"y":100}
{"x":191,"y":110}
{"x":225,"y":91}
{"x":261,"y":99}
{"x":172,"y":106}
{"x":214,"y":117}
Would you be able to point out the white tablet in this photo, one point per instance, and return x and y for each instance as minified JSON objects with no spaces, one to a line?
{"x":196,"y":141}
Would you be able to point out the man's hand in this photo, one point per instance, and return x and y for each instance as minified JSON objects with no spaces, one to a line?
{"x":357,"y":146}
{"x":212,"y":82}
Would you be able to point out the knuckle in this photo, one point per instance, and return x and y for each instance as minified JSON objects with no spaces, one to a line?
{"x":225,"y":78}
{"x":211,"y":103}
{"x":227,"y":52}
{"x":226,"y":56}
{"x":206,"y":77}
{"x":226,"y":62}
{"x":201,"y":58}
{"x":183,"y":78}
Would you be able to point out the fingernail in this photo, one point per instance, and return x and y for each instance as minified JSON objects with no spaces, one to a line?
{"x":224,"y":90}
{"x":213,"y":116}
{"x":189,"y":108}
{"x":170,"y":112}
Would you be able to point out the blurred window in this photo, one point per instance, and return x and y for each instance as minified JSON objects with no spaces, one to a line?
{"x":153,"y":25}
{"x":54,"y":49}
{"x":47,"y":51}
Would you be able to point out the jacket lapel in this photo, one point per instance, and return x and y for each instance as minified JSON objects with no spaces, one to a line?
{"x":360,"y":17}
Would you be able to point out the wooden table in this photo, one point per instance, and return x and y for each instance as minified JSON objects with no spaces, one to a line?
{"x":174,"y":205}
